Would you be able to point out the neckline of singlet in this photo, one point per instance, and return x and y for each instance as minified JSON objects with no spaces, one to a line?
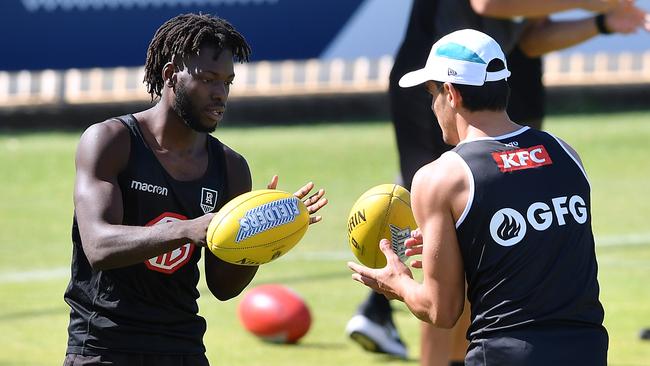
{"x":136,"y":123}
{"x":494,"y":138}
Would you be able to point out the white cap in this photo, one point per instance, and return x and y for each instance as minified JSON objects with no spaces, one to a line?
{"x":461,"y":57}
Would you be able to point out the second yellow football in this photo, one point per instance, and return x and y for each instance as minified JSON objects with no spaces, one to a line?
{"x":383,"y":211}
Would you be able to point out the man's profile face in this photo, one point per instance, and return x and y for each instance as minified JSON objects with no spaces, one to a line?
{"x":202,"y":88}
{"x":443,"y":111}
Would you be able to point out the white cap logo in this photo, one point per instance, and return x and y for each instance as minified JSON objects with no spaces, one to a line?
{"x":507,"y":227}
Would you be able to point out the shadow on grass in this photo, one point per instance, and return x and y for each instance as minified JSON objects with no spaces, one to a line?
{"x":325,"y":346}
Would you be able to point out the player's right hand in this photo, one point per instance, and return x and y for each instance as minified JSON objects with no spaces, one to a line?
{"x":313,"y":203}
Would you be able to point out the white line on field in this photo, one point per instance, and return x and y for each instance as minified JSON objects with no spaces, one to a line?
{"x":34,"y":275}
{"x":627,"y":239}
{"x":313,"y":256}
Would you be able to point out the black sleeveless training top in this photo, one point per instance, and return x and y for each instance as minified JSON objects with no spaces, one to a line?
{"x":148,"y":307}
{"x":526,"y":237}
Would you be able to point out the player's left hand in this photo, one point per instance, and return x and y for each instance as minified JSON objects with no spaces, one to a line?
{"x":385,"y":281}
{"x":313,"y":203}
{"x":414,"y":247}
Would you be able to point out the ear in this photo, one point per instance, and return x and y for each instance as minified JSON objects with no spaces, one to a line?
{"x":454,"y":97}
{"x":169,"y":74}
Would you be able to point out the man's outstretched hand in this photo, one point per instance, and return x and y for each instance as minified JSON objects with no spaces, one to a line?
{"x":313,"y":203}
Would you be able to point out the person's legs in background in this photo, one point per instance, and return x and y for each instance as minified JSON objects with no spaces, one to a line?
{"x":373,"y":328}
{"x":419,"y":141}
{"x":527,"y":94}
{"x":442,"y":347}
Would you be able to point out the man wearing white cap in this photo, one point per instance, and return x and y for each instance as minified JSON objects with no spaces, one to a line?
{"x":508,"y":209}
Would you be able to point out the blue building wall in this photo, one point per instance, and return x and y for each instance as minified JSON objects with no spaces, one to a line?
{"x":60,"y":34}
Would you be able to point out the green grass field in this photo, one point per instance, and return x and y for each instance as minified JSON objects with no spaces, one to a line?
{"x":36,"y":171}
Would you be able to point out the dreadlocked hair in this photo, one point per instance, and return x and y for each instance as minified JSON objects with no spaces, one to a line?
{"x":182,"y":36}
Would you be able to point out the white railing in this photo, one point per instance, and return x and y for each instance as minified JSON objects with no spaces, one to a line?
{"x":287,"y":78}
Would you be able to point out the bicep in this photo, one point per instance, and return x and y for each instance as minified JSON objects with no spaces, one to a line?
{"x":441,"y":258}
{"x":433,"y":194}
{"x":97,"y":196}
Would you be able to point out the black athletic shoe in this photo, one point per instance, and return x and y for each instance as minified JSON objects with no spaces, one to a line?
{"x":645,"y":334}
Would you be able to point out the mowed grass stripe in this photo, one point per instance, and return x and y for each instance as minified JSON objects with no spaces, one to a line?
{"x":311,"y":256}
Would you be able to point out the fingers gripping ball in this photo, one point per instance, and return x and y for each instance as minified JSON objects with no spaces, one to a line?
{"x":257,"y":227}
{"x":275,"y":314}
{"x":381,"y":212}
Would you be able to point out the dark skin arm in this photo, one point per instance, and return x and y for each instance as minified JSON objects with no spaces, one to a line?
{"x":226,"y":280}
{"x":102,"y":153}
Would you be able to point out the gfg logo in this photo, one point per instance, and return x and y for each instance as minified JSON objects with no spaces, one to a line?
{"x":508,"y":226}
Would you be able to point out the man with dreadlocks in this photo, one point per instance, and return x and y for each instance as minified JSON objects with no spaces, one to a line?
{"x":146,"y":187}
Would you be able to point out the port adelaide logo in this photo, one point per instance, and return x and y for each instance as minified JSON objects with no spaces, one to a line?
{"x":208,"y":199}
{"x":266,"y":217}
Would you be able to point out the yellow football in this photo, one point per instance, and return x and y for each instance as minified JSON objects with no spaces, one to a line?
{"x":257,"y":227}
{"x":381,"y":212}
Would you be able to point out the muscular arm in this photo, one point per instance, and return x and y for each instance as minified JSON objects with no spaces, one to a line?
{"x":512,"y":8}
{"x":440,"y":298}
{"x":548,"y":35}
{"x":226,"y":280}
{"x":102,"y":153}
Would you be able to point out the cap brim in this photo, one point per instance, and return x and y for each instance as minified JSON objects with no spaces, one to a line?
{"x":414,"y":78}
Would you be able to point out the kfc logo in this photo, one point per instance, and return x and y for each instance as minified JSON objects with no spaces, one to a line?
{"x":531,"y":157}
{"x":171,"y":261}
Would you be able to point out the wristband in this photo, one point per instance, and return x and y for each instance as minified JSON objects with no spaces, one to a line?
{"x":600,"y":24}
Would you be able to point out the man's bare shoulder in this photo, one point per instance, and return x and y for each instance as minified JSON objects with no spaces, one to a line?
{"x":239,"y":176}
{"x":445,"y":173}
{"x":231,"y":153}
{"x":110,"y":131}
{"x":105,"y":146}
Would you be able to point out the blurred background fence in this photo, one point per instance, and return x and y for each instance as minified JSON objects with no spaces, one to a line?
{"x":313,"y":89}
{"x":293,"y":78}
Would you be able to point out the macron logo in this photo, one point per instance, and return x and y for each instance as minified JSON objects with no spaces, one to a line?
{"x":146,"y":187}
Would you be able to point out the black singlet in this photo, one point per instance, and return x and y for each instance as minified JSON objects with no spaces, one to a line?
{"x":148,"y":307}
{"x":528,"y":250}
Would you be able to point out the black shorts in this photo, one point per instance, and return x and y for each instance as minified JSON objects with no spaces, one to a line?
{"x":553,"y":346}
{"x":139,"y":359}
